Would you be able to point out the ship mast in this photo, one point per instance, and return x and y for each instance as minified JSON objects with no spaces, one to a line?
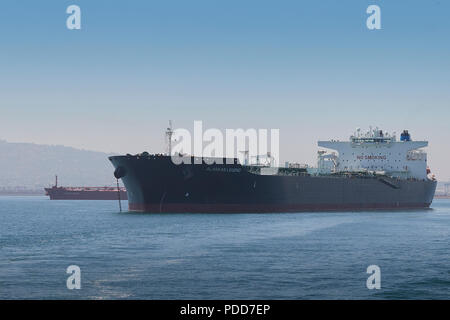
{"x":169,"y":133}
{"x":246,"y":157}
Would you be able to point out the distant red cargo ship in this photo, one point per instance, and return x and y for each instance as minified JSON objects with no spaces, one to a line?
{"x":85,"y":193}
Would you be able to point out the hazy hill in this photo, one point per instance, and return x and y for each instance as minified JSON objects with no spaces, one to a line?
{"x":34,"y":166}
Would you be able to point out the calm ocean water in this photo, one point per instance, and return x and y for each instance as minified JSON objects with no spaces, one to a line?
{"x":220,"y":256}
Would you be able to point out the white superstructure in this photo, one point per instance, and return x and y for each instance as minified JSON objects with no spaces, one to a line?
{"x":375,"y":151}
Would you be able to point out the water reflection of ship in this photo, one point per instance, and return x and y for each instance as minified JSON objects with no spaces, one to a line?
{"x":85,"y":193}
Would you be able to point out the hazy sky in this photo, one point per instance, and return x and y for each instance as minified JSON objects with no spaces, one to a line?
{"x":310,"y":68}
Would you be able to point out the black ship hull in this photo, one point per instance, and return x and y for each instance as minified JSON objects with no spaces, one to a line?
{"x":155,"y":184}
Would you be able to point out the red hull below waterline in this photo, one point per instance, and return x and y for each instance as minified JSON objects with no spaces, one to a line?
{"x":254,"y":208}
{"x":85,"y":193}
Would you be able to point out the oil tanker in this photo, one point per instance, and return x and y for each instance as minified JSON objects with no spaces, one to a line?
{"x":373,"y":170}
{"x":85,"y":193}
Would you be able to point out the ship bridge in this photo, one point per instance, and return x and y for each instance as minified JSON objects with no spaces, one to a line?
{"x":380,"y":151}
